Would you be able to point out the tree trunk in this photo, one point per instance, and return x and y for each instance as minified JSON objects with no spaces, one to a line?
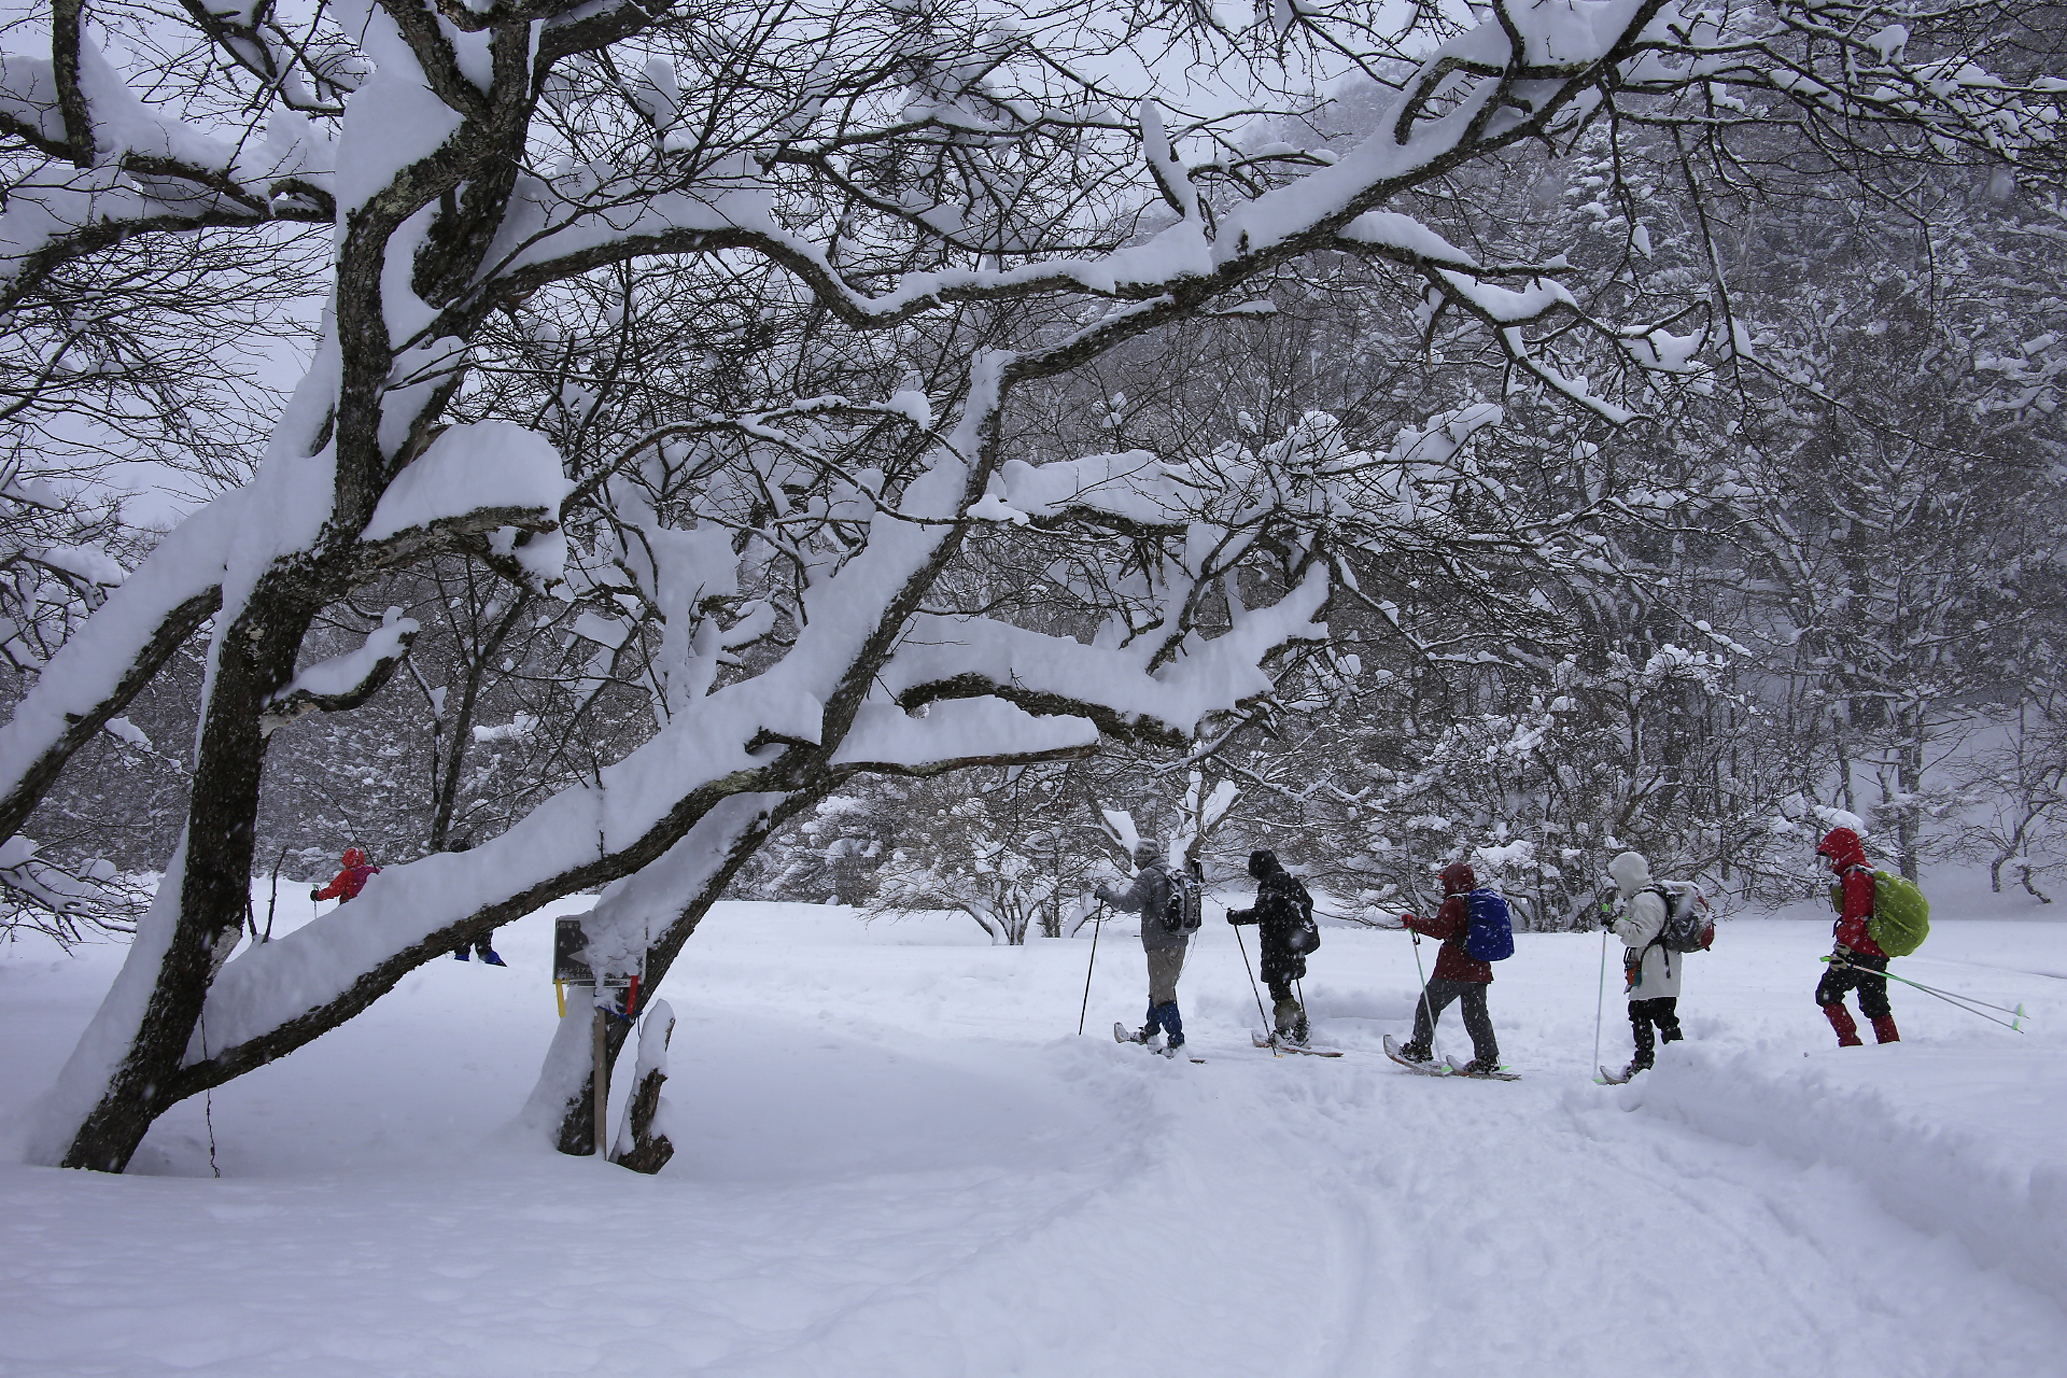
{"x":206,"y":904}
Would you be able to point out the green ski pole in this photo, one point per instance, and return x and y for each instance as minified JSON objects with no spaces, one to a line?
{"x":1960,"y":1002}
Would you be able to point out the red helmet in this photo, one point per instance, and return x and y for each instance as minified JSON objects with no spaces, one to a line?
{"x":1843,"y":847}
{"x":353,"y":857}
{"x":1457,"y":877}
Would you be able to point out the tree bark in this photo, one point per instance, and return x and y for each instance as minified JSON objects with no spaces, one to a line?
{"x":254,"y":657}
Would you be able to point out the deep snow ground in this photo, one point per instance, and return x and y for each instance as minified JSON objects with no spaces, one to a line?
{"x":896,"y":1157}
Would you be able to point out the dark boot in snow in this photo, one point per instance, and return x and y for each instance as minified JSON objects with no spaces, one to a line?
{"x":1841,"y":1019}
{"x":1415,"y":1052}
{"x":493,"y":959}
{"x":1885,"y":1031}
{"x":1289,"y":1020}
{"x":1636,"y":1064}
{"x":459,"y":954}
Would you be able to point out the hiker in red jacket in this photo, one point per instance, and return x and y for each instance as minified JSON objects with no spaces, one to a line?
{"x":1458,"y":975}
{"x":1858,"y":962}
{"x":350,"y":881}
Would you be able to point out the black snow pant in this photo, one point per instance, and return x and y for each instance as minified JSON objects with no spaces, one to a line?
{"x":1867,"y":975}
{"x":1436,"y":997}
{"x":1662,"y":1015}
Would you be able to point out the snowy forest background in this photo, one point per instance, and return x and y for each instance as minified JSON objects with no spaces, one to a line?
{"x":1662,"y":451}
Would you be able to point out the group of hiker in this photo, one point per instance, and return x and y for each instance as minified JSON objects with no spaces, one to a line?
{"x":1658,"y":923}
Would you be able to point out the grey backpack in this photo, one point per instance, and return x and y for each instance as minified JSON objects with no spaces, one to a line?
{"x":1688,"y":925}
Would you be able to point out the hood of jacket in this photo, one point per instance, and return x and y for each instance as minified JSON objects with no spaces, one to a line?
{"x":1843,"y":847}
{"x":1458,"y":878}
{"x":1630,"y":872}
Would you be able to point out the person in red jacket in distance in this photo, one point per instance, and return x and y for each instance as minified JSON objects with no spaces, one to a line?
{"x":350,"y":881}
{"x":1458,"y":975}
{"x":1858,"y":962}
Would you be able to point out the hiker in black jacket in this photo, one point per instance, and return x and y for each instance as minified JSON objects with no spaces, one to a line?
{"x":1283,"y":915}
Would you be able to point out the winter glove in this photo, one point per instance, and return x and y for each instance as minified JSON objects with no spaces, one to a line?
{"x":316,"y":895}
{"x":1104,"y":894}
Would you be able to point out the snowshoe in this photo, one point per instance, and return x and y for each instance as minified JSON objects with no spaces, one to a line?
{"x":1473,"y":1070}
{"x":1263,"y":1040}
{"x":1608,"y":1078}
{"x":1122,"y":1034}
{"x":1421,"y":1066}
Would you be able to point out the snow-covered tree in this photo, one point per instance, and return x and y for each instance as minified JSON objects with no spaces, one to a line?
{"x":918,"y":184}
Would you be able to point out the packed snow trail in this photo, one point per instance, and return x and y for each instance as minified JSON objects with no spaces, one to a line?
{"x":894,"y":1156}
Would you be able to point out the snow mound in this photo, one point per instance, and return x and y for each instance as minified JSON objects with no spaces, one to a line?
{"x":1992,"y":1173}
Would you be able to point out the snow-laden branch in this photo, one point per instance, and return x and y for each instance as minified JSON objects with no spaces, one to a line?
{"x":344,"y":682}
{"x":1121,"y":689}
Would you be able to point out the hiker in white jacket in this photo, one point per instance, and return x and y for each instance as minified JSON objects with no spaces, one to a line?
{"x":1650,"y":971}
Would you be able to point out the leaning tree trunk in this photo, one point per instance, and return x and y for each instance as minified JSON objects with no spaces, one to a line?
{"x":202,"y":901}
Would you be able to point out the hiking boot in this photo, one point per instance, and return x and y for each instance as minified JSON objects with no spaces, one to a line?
{"x":1635,"y":1065}
{"x":1475,"y":1068}
{"x":1416,"y":1052}
{"x":1148,"y":1033}
{"x":493,"y":959}
{"x":1175,"y":1049}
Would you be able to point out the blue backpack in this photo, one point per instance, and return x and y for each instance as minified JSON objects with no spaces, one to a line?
{"x":1490,"y":938}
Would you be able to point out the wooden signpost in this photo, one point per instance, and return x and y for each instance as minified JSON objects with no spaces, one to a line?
{"x":571,"y":968}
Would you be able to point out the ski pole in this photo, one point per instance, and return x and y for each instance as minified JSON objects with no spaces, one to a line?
{"x":1600,"y":1000}
{"x":1435,"y":1049}
{"x":1097,"y":922}
{"x":1955,"y":995}
{"x":1956,"y":1001}
{"x":1268,"y":1028}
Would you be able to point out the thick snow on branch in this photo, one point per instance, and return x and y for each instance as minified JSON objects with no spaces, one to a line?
{"x":340,"y":675}
{"x":955,"y":732}
{"x":344,"y":681}
{"x":480,"y":466}
{"x":1205,"y":678}
{"x":1133,"y":485}
{"x":179,"y":580}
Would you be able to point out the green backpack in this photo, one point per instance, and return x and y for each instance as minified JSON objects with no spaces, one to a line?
{"x":1901,"y":915}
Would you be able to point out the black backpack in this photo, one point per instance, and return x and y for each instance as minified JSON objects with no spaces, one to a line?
{"x":1184,"y":910}
{"x":1304,"y":935}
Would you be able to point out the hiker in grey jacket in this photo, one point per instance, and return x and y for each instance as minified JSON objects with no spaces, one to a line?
{"x":1149,"y":897}
{"x":1650,"y":972}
